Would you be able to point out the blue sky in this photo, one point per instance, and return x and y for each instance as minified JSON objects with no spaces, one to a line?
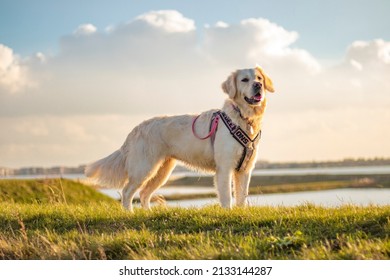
{"x":77,"y":76}
{"x":326,"y":27}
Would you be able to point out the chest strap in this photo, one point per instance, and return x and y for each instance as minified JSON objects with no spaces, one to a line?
{"x":241,"y":137}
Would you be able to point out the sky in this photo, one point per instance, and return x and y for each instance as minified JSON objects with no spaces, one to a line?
{"x":77,"y":76}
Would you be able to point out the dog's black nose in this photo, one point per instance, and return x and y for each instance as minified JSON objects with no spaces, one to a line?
{"x":256,"y":86}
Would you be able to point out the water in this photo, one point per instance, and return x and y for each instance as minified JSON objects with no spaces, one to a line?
{"x":326,"y":198}
{"x":356,"y":170}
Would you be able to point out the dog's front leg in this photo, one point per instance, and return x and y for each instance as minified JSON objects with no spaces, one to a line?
{"x":241,"y":187}
{"x":223,"y":182}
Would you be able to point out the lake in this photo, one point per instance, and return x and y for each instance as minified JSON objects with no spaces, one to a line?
{"x":356,"y":170}
{"x":326,"y":198}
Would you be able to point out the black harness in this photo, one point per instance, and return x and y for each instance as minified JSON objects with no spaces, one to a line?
{"x":241,"y":137}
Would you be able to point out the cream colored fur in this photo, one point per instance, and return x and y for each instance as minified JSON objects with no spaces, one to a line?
{"x":151,"y":150}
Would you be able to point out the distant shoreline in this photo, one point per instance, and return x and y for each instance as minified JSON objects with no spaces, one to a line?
{"x":260,"y":165}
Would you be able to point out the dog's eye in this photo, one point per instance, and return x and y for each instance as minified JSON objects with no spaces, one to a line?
{"x":245,"y":80}
{"x":259,"y":78}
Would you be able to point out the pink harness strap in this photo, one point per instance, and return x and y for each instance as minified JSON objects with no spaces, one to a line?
{"x":213,"y":129}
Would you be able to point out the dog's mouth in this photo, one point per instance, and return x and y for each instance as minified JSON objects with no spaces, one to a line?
{"x":256,"y":99}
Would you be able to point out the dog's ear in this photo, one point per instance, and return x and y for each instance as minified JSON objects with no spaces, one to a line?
{"x":268,"y":85}
{"x":229,"y":86}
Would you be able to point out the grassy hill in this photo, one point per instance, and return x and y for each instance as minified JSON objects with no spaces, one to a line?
{"x":48,"y":191}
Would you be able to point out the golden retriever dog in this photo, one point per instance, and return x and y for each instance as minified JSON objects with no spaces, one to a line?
{"x":152,"y":149}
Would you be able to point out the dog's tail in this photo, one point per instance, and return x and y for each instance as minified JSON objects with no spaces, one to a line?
{"x":109,"y":171}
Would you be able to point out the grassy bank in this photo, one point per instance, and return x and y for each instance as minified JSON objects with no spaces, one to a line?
{"x":44,"y":191}
{"x":61,"y":219}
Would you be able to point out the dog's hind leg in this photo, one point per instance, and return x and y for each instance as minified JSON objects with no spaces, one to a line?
{"x":128,"y":193}
{"x":156,"y":182}
{"x":139,"y":176}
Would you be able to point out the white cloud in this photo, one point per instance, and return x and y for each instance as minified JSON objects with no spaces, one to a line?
{"x":358,"y":66}
{"x":169,"y":20}
{"x":372,"y":53}
{"x":155,"y":57}
{"x":258,"y":40}
{"x":221,"y":24}
{"x":85,"y":29}
{"x":13,"y":75}
{"x":103,"y":83}
{"x":270,"y":37}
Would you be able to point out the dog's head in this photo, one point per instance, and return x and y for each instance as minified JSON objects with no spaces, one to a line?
{"x":248,"y":86}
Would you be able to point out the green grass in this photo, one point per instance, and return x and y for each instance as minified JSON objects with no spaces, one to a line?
{"x":105,"y":231}
{"x":90,"y":227}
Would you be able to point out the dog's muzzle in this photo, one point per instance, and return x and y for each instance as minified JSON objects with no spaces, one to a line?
{"x":257,"y":97}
